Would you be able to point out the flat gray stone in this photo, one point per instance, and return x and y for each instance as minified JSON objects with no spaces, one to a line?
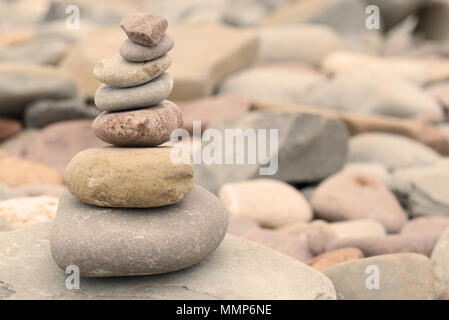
{"x":303,"y":139}
{"x":44,"y":112}
{"x":135,"y":52}
{"x":403,"y":276}
{"x":21,"y":84}
{"x":391,"y":150}
{"x":233,"y":271}
{"x":105,"y":242}
{"x":108,"y":98}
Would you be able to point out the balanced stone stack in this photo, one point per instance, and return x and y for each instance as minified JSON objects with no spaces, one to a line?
{"x":131,"y":210}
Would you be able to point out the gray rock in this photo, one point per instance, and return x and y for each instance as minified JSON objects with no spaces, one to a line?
{"x":403,"y":276}
{"x":40,"y":51}
{"x":108,"y":98}
{"x":105,"y":242}
{"x":21,"y":84}
{"x":423,"y":191}
{"x":303,"y":138}
{"x":391,"y":150}
{"x":426,"y":224}
{"x":434,"y":20}
{"x":44,"y":112}
{"x":233,"y":271}
{"x":440,"y":259}
{"x":132,"y":51}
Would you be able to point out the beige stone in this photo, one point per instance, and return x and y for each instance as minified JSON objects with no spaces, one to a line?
{"x":117,"y":72}
{"x":271,"y":203}
{"x":19,"y":212}
{"x":205,"y":54}
{"x":15,"y":172}
{"x":354,"y":195}
{"x":128,"y":177}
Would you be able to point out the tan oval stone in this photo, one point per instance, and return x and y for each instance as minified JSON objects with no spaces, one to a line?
{"x":147,"y":127}
{"x":117,"y":72}
{"x":128,"y":177}
{"x":15,"y":172}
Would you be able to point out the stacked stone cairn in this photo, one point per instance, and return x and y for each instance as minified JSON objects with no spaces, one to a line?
{"x":129,"y":209}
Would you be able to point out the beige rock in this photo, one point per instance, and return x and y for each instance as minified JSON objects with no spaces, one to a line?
{"x":422,"y":243}
{"x":418,"y":70}
{"x":353,"y":195}
{"x":329,"y":259}
{"x":117,"y":72}
{"x":320,"y":233}
{"x":15,"y":172}
{"x":426,"y":224}
{"x":106,"y":177}
{"x":271,"y":203}
{"x":19,"y":212}
{"x":224,"y":50}
{"x":358,"y":228}
{"x":82,"y":58}
{"x":305,"y":42}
